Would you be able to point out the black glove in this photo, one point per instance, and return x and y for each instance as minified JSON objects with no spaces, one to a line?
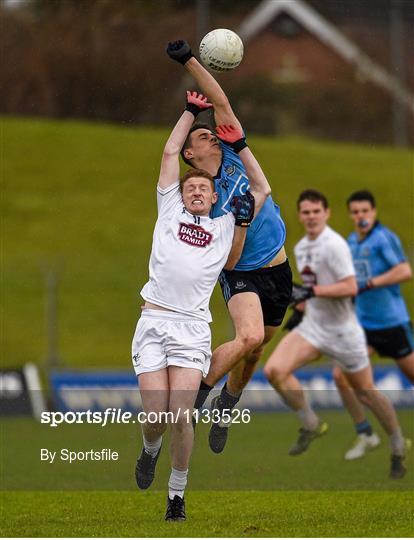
{"x":179,"y":50}
{"x":193,"y":109}
{"x":239,"y":145}
{"x":294,"y":320}
{"x":300,"y":293}
{"x":242,"y":207}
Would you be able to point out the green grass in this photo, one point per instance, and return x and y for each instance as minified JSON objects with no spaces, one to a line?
{"x":81,"y":198}
{"x":253,"y":489}
{"x":210,"y":514}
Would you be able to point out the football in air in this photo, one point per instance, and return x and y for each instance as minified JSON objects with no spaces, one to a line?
{"x":221,"y":50}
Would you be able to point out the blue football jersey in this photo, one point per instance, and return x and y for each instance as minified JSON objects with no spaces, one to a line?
{"x":378,"y":252}
{"x":266,"y":235}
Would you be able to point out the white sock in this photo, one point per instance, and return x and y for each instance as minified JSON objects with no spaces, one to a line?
{"x":308,"y":418}
{"x":397,"y":443}
{"x":152,"y":447}
{"x":177,"y":483}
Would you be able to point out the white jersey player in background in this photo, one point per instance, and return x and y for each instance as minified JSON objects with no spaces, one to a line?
{"x":171,"y":346}
{"x":329,"y":326}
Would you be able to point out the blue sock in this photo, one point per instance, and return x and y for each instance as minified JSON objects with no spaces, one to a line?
{"x":228,"y":400}
{"x":364,"y":427}
{"x":202,"y":395}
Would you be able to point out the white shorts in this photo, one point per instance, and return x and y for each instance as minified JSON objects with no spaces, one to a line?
{"x":164,"y":338}
{"x":347,"y":345}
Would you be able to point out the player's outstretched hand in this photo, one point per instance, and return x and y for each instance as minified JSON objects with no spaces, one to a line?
{"x":232,"y":136}
{"x":300,"y":293}
{"x":294,"y":320}
{"x":196,"y":103}
{"x":242,"y":207}
{"x":180,"y":51}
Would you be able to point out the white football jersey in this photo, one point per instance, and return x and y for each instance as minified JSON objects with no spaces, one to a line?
{"x":324,"y":261}
{"x":188,"y":254}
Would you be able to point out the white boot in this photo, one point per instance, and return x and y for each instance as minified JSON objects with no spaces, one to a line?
{"x":362,"y":444}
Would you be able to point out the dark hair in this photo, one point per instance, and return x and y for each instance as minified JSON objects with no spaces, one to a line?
{"x":196,"y":173}
{"x":314,"y":196}
{"x":194,"y":127}
{"x":363,"y":195}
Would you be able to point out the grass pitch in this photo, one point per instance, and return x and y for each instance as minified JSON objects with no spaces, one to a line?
{"x":253,"y":489}
{"x":209,"y":514}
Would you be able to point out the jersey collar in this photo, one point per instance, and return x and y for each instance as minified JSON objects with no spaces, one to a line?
{"x":321,"y":235}
{"x":217,"y":176}
{"x":197,"y":220}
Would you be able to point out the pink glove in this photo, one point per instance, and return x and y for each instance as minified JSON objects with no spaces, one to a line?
{"x":196,"y":103}
{"x":232,"y":136}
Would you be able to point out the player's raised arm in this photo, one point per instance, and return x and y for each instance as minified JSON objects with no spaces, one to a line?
{"x":223,"y":113}
{"x":259,"y":186}
{"x":170,"y":162}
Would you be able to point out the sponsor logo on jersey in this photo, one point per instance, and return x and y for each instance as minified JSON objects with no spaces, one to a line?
{"x":194,"y":235}
{"x":136,"y":359}
{"x":240,"y":285}
{"x":308,"y":277}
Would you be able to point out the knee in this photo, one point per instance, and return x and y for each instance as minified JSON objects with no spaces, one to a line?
{"x":252,"y":341}
{"x":180,"y":419}
{"x":275,"y":374}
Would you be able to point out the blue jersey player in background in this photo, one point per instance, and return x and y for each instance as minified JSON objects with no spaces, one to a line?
{"x":257,"y":287}
{"x":380,"y":265}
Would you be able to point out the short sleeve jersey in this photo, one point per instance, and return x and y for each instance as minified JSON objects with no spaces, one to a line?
{"x":266,"y":235}
{"x":376,"y":254}
{"x":187,"y":256}
{"x":324,"y":261}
